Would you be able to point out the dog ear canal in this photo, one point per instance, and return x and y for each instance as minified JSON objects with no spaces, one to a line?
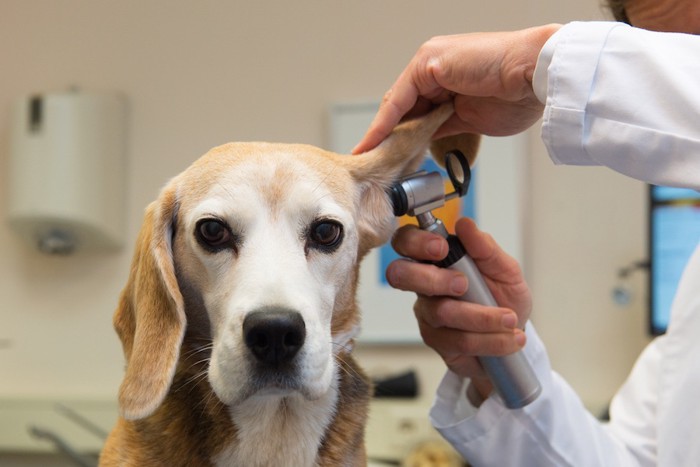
{"x":150,"y":317}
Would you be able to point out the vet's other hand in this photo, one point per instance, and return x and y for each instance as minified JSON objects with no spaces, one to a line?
{"x":489,"y":76}
{"x":457,"y":330}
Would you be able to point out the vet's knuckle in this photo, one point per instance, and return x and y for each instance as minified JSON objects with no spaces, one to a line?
{"x":435,"y":283}
{"x":501,"y":347}
{"x":387,"y":96}
{"x":467,"y":344}
{"x":440,"y":314}
{"x":430,"y":47}
{"x":425,"y":334}
{"x":482,"y":321}
{"x":401,"y":240}
{"x":424,"y":310}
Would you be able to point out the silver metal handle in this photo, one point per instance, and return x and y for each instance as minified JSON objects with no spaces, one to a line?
{"x":512,"y":376}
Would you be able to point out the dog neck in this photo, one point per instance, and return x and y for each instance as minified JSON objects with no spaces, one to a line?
{"x":268,"y":428}
{"x":193,"y":427}
{"x":279,"y":429}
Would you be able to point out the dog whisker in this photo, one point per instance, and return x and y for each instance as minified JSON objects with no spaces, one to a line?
{"x":194,"y":351}
{"x":346,"y":347}
{"x":345,"y":367}
{"x":347,"y":371}
{"x":207,"y":340}
{"x":206,"y":403}
{"x":196,"y":378}
{"x":199,"y":362}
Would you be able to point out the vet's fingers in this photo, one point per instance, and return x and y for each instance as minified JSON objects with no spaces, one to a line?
{"x":412,"y":242}
{"x":444,"y":312}
{"x":464,"y":365}
{"x":453,"y":344}
{"x":468,"y":367}
{"x":490,"y":258}
{"x":415,"y":92}
{"x":425,"y":279}
{"x":490,"y":116}
{"x":396,"y":103}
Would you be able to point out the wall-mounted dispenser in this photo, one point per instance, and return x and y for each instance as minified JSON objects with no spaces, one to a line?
{"x":67,"y":170}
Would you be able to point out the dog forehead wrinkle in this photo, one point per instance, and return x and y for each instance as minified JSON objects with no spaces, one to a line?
{"x":301,"y":185}
{"x":301,"y":180}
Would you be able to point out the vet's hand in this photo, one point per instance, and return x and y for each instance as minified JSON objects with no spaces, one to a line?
{"x":457,"y":330}
{"x":489,"y":76}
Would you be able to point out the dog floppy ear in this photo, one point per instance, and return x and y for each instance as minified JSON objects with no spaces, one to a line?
{"x":399,"y":155}
{"x":467,"y":143}
{"x":150,"y":317}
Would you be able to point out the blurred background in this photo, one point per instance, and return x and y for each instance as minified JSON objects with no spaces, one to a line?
{"x":198,"y":74}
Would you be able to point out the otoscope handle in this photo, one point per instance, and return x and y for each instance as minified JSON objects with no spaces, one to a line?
{"x":512,"y":376}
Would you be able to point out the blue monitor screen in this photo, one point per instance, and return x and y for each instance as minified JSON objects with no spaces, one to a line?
{"x":674,"y":233}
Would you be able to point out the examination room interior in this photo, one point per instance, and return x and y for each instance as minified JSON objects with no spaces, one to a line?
{"x":198,"y":74}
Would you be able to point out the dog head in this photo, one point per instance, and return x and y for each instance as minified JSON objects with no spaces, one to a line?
{"x":254,"y":249}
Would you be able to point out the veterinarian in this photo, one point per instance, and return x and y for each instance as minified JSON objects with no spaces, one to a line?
{"x":610,"y":95}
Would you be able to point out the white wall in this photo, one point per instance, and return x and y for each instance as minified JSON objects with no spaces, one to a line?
{"x":198,"y":74}
{"x":586,"y":223}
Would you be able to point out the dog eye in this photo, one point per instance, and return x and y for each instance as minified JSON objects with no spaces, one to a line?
{"x":213,"y":234}
{"x":326,"y":234}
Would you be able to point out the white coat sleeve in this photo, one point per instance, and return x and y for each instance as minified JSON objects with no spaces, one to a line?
{"x":625,"y":98}
{"x":555,"y":430}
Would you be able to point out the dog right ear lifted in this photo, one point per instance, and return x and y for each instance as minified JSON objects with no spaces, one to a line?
{"x":402,"y":152}
{"x":397,"y":156}
{"x":466,"y":143}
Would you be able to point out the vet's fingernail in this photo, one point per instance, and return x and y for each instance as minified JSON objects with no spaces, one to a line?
{"x":520,"y":338}
{"x":434,"y":248}
{"x":509,"y":320}
{"x":458,"y":285}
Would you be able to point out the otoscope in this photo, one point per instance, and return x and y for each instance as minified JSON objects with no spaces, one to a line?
{"x":417,"y":195}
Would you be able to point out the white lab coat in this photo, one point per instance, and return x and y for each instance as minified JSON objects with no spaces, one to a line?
{"x":627,"y":99}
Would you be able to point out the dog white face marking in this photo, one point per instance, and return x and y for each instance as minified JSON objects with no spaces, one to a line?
{"x":272,"y":236}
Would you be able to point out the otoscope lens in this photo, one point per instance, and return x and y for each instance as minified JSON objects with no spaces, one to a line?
{"x":458,"y":169}
{"x":455,"y":168}
{"x":399,"y":200}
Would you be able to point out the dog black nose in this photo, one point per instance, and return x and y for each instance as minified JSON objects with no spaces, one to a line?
{"x":274,"y":335}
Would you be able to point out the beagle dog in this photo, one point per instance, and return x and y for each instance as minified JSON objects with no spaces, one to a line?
{"x":238,"y":318}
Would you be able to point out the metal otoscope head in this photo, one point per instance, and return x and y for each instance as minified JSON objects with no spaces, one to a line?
{"x":424,"y":191}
